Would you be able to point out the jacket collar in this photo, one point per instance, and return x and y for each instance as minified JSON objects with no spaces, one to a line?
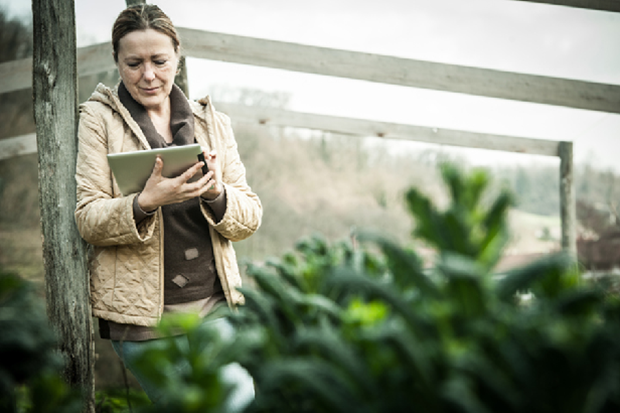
{"x":109,"y":96}
{"x":181,"y":118}
{"x":202,"y":110}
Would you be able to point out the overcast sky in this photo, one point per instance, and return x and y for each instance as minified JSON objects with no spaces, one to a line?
{"x":497,"y":34}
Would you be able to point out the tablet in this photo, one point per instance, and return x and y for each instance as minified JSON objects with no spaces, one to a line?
{"x":133,"y":169}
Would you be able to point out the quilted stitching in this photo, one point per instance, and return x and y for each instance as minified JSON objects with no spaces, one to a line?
{"x":126,"y":279}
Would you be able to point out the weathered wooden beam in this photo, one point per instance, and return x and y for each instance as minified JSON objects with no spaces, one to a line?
{"x":360,"y":127}
{"x":363,"y":66}
{"x":402,"y":72}
{"x":181,"y":78}
{"x":567,"y":199}
{"x":17,"y":74}
{"x":22,"y":145}
{"x":19,"y":145}
{"x":602,"y":5}
{"x":95,"y":59}
{"x":64,"y":251}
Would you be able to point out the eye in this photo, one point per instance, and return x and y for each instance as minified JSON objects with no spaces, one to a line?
{"x":133,"y":64}
{"x":160,"y":62}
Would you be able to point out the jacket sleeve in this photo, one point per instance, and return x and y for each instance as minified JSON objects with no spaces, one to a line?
{"x":101,"y":218}
{"x":244,"y":211}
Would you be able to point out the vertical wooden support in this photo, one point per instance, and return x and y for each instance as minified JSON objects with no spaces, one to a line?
{"x":567,"y":198}
{"x":181,"y":77}
{"x":64,"y":251}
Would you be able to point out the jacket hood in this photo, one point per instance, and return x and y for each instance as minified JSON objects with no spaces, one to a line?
{"x":107,"y":96}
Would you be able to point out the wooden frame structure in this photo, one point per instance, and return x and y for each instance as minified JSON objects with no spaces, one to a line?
{"x":602,"y":5}
{"x":54,"y":85}
{"x":375,"y":68}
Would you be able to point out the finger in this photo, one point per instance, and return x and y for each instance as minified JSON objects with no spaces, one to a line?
{"x":203,"y":185}
{"x":203,"y":181}
{"x":214,"y":186}
{"x":210,"y":190}
{"x":159,"y":165}
{"x":197,"y":166}
{"x":190,"y":172}
{"x":208,"y":175}
{"x":212,"y":162}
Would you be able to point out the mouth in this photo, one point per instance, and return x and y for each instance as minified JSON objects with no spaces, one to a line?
{"x":149,"y":90}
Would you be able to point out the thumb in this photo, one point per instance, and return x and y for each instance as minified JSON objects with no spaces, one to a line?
{"x":159,"y":165}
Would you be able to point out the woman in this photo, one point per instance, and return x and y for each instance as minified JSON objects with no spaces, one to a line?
{"x":167,"y":248}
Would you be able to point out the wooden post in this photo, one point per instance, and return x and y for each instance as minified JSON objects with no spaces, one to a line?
{"x":64,"y":251}
{"x":567,"y":198}
{"x":181,"y":77}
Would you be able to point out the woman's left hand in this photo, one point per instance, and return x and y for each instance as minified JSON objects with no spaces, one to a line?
{"x":213,"y":188}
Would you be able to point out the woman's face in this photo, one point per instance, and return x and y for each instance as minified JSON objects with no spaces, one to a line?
{"x":147,"y":63}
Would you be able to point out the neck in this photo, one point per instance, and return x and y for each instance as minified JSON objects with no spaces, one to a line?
{"x":159,"y":111}
{"x":160,"y":117}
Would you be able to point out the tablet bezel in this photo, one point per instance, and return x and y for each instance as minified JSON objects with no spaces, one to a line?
{"x":131,"y":170}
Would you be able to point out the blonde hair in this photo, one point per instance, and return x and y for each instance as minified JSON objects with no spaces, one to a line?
{"x":142,"y":17}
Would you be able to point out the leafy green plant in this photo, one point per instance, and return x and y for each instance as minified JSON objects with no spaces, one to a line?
{"x":188,"y":369}
{"x":120,"y":400}
{"x":30,"y":369}
{"x":343,"y":330}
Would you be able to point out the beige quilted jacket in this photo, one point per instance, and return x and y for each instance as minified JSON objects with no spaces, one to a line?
{"x":126,"y":264}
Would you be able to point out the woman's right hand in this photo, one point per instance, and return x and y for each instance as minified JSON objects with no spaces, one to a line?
{"x":159,"y":190}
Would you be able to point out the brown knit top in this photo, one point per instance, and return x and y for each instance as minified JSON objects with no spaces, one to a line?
{"x":190,"y":276}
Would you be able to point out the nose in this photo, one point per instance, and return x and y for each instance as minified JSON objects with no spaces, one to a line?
{"x":149,"y":73}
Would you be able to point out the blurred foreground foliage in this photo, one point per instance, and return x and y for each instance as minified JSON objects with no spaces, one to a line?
{"x":341,"y":328}
{"x":367,"y":326}
{"x":30,"y":370}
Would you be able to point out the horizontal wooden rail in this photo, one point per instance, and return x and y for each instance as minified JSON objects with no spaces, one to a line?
{"x":355,"y":65}
{"x":17,"y":74}
{"x":360,"y":127}
{"x":18,"y":145}
{"x":602,"y":5}
{"x":26,"y":144}
{"x":402,"y":72}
